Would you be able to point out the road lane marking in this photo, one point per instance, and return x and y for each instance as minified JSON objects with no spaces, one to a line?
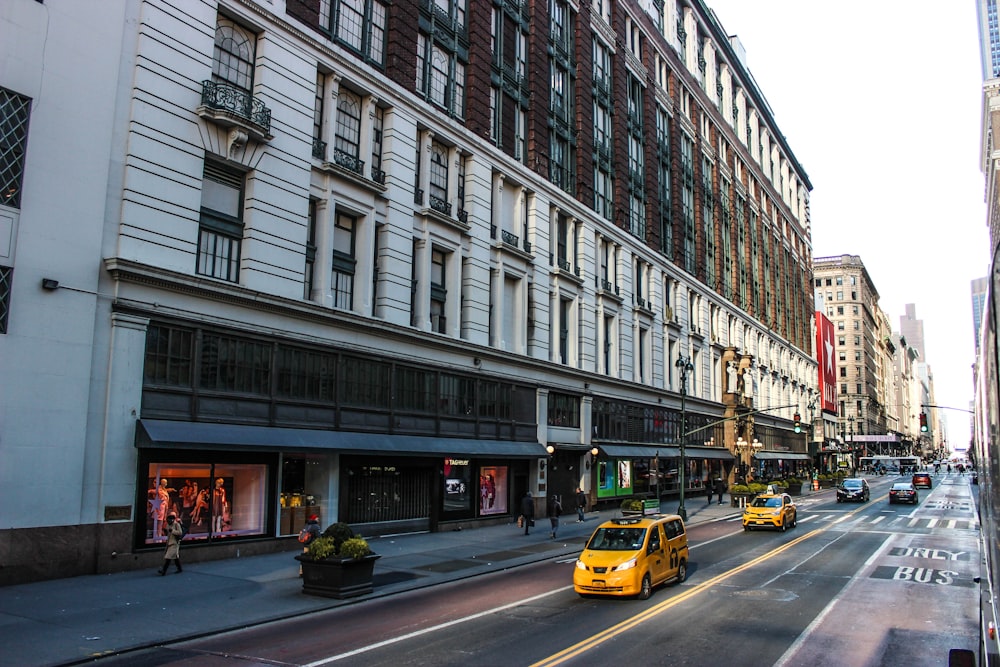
{"x":418,"y":633}
{"x":657,"y":609}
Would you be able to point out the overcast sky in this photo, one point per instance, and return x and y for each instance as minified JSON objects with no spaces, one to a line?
{"x":880,"y":101}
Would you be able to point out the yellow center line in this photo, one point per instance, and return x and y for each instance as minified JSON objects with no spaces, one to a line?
{"x":657,"y":609}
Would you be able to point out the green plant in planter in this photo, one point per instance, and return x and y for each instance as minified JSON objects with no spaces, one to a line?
{"x":321,"y":548}
{"x":632,"y":505}
{"x":793,"y":480}
{"x":757,"y":487}
{"x":339,"y":532}
{"x":355,"y":547}
{"x":738,"y":489}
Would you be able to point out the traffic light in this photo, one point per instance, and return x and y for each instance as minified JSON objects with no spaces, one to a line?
{"x":798,"y":423}
{"x":923,"y":422}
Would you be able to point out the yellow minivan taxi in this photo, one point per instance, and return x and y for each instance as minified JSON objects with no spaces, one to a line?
{"x":631,"y":555}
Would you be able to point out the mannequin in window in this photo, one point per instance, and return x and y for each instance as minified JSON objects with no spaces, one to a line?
{"x":219,"y":505}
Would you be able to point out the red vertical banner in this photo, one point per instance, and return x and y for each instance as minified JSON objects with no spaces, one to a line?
{"x":826,"y":356}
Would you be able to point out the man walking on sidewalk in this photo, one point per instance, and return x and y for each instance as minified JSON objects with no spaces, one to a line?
{"x":527,"y":511}
{"x":581,"y":505}
{"x":720,"y":488}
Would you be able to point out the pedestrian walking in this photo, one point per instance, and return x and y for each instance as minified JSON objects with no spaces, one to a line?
{"x":174,"y":535}
{"x":720,"y":488}
{"x":581,"y":505}
{"x":308,"y":534}
{"x":553,"y":512}
{"x":527,"y":511}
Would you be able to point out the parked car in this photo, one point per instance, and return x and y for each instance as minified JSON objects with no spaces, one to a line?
{"x":631,"y":555}
{"x":922,"y":479}
{"x":903,"y":492}
{"x":770,"y":510}
{"x":853,"y":488}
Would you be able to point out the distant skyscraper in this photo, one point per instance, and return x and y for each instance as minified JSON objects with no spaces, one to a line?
{"x":989,"y":37}
{"x":913,"y":330}
{"x":979,"y":286}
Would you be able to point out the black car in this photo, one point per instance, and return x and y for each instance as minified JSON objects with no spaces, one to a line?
{"x":903,"y":492}
{"x":853,"y":488}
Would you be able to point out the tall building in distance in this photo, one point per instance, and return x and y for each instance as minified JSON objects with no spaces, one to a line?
{"x":912,"y":329}
{"x":989,"y":37}
{"x":392,"y":263}
{"x":979,"y":288}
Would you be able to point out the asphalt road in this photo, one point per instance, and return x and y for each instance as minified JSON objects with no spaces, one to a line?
{"x":870,"y":584}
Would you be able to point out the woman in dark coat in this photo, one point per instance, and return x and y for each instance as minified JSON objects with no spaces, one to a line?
{"x":527,"y":511}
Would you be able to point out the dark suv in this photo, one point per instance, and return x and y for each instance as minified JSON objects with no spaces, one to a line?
{"x":853,"y":488}
{"x":922,"y":479}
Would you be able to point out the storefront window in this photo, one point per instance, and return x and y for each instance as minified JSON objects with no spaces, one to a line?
{"x":212,"y":501}
{"x":305,"y":482}
{"x":493,"y":492}
{"x":457,"y":489}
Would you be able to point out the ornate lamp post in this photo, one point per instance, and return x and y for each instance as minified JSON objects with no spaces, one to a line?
{"x":685,"y":366}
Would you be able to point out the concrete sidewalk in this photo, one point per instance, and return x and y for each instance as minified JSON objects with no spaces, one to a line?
{"x":73,"y":620}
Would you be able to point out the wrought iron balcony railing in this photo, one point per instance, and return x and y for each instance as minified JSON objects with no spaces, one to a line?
{"x":319,"y":149}
{"x":440,"y":205}
{"x":224,"y":97}
{"x":509,"y":238}
{"x":349,"y":162}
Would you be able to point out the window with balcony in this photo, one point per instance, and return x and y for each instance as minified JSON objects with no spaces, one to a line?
{"x":14,"y":114}
{"x":227,"y":97}
{"x":358,"y":25}
{"x":221,"y":226}
{"x":319,"y":144}
{"x":347,"y":139}
{"x":439,"y":178}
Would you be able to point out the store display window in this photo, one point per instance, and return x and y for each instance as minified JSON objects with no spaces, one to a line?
{"x":457,"y":485}
{"x":493,"y":490}
{"x":212,"y":500}
{"x":304,"y":491}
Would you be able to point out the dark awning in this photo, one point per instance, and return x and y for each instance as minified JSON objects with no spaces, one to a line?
{"x":786,"y":456}
{"x":696,"y":452}
{"x":198,"y":435}
{"x":638,"y":451}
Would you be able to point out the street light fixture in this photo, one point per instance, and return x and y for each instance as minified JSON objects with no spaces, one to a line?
{"x":685,"y":366}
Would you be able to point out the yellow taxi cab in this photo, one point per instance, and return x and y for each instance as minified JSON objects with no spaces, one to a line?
{"x":631,"y":555}
{"x":770,"y":510}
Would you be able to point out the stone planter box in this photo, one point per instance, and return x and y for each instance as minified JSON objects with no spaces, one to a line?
{"x":338,"y":578}
{"x":795,"y":489}
{"x":826,"y":484}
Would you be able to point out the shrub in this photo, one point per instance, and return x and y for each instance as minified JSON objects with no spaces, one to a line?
{"x":325,"y":547}
{"x":355,"y":547}
{"x":339,"y":532}
{"x":632,"y":504}
{"x":739,"y":488}
{"x":793,"y":480}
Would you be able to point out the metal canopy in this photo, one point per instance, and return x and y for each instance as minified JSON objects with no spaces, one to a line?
{"x":157,"y":433}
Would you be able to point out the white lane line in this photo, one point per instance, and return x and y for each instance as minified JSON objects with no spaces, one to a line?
{"x":877,"y":519}
{"x":790,"y":653}
{"x":418,"y":633}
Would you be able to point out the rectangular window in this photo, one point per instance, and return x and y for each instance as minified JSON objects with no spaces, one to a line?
{"x":211,"y":500}
{"x":364,"y":383}
{"x":221,"y":226}
{"x":564,"y":410}
{"x":377,"y":174}
{"x":344,"y":261}
{"x":308,"y":276}
{"x":439,"y":293}
{"x":6,"y":278}
{"x":319,"y":146}
{"x":358,"y":25}
{"x":169,"y":356}
{"x":235,"y":364}
{"x":305,"y":374}
{"x":416,"y":390}
{"x":14,"y":113}
{"x":565,"y":309}
{"x":440,"y":71}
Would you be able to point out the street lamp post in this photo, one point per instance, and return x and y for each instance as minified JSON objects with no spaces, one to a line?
{"x":684,"y":365}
